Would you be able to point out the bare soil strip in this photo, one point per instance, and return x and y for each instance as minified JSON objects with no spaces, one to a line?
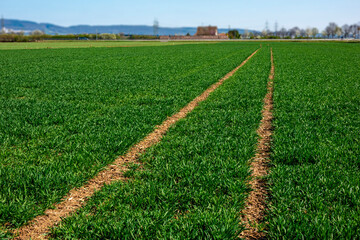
{"x":254,"y":212}
{"x":39,"y":227}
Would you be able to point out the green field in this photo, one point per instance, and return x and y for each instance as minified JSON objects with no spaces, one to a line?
{"x":67,"y":113}
{"x":49,"y":44}
{"x":194,"y":181}
{"x":315,"y":180}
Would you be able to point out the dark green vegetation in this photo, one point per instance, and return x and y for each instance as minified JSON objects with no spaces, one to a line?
{"x":87,"y":44}
{"x":315,"y":181}
{"x":66,"y":113}
{"x":193,"y":185}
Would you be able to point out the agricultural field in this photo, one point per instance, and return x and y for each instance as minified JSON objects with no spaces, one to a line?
{"x":194,"y":181}
{"x":49,"y":44}
{"x":67,"y":113}
{"x":315,"y":180}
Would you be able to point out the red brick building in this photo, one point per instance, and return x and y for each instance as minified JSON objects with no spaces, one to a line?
{"x":202,"y":33}
{"x":207,"y":31}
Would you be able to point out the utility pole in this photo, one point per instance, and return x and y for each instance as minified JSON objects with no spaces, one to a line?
{"x":267,"y":26}
{"x":156,"y":27}
{"x":276,"y":28}
{"x":2,"y":24}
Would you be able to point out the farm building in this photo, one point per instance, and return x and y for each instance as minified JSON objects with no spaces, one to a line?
{"x":207,"y":31}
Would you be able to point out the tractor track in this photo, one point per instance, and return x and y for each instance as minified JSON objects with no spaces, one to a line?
{"x":38,"y":228}
{"x":254,"y":212}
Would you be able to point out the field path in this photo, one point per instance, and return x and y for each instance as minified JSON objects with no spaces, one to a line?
{"x":39,"y":227}
{"x":254,"y":212}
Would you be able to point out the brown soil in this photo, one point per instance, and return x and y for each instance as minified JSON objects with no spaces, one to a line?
{"x":253,"y":214}
{"x":39,"y":227}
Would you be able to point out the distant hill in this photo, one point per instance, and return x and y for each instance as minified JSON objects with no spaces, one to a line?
{"x":78,"y":29}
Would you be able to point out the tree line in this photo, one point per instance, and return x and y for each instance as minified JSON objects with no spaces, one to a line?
{"x":332,"y":31}
{"x":38,"y":35}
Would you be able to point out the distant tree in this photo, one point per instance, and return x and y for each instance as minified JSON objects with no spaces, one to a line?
{"x":120,"y":35}
{"x":264,"y":33}
{"x":327,"y":32}
{"x":246,"y":34}
{"x":233,"y":34}
{"x":324,"y":33}
{"x":37,"y":33}
{"x":353,"y":30}
{"x":314,"y":32}
{"x":188,"y":34}
{"x":346,"y":30}
{"x":308,"y":32}
{"x":107,"y":36}
{"x":331,"y":29}
{"x":20,"y":33}
{"x":294,"y":32}
{"x":92,"y":36}
{"x":338,"y":32}
{"x":302,"y":33}
{"x":283,"y":32}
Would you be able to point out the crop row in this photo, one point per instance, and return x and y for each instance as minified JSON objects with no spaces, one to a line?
{"x":315,"y":180}
{"x":193,"y":183}
{"x":67,"y":113}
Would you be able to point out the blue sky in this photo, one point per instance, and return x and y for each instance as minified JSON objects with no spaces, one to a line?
{"x":250,"y":14}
